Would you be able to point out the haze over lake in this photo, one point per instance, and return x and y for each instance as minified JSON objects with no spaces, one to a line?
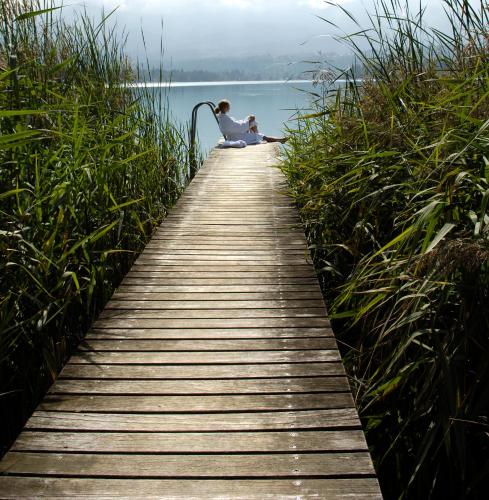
{"x":274,"y":103}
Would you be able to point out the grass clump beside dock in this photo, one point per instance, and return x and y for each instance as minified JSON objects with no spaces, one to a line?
{"x":392,"y":178}
{"x":87,"y":169}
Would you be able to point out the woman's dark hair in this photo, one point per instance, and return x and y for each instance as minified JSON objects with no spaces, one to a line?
{"x":221,"y":106}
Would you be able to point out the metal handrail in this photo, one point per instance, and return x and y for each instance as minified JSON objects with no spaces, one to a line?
{"x":193,"y":133}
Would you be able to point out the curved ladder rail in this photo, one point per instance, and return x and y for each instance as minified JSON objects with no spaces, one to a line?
{"x":193,"y":133}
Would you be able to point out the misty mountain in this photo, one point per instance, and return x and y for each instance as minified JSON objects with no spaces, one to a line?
{"x":262,"y":67}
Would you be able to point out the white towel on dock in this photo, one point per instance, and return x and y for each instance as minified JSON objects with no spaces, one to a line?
{"x":234,"y":144}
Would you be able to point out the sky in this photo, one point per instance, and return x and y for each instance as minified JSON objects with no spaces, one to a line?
{"x":197,"y":29}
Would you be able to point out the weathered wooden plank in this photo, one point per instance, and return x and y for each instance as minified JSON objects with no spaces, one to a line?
{"x":239,"y":271}
{"x":196,"y":207}
{"x":242,"y":263}
{"x":250,"y":189}
{"x":285,"y":489}
{"x":188,"y":466}
{"x":237,"y":182}
{"x":239,"y":275}
{"x":213,"y":296}
{"x":228,"y":246}
{"x":269,"y":186}
{"x":205,"y":357}
{"x":203,"y":371}
{"x":276,"y":268}
{"x":216,"y":253}
{"x":192,"y":210}
{"x":170,"y":387}
{"x":256,"y":243}
{"x":241,"y":228}
{"x":226,"y":220}
{"x":225,"y":259}
{"x":192,"y":323}
{"x":253,"y":344}
{"x":233,"y":263}
{"x":145,"y":275}
{"x":228,"y":241}
{"x":207,"y":190}
{"x":249,"y":229}
{"x":273,"y":235}
{"x":232,"y":313}
{"x":232,"y":246}
{"x":225,"y":213}
{"x":227,"y":223}
{"x":197,"y":235}
{"x":188,"y":213}
{"x":155,"y":278}
{"x":209,"y":333}
{"x":182,"y":422}
{"x":192,"y":442}
{"x":230,"y":220}
{"x":280,"y":235}
{"x":202,"y":291}
{"x":200,"y":403}
{"x":189,"y":210}
{"x":156,"y":305}
{"x":209,"y":194}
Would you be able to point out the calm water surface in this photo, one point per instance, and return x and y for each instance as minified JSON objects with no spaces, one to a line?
{"x":273,"y":103}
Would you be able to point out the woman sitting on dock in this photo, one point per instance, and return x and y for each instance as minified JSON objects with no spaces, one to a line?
{"x":241,"y":131}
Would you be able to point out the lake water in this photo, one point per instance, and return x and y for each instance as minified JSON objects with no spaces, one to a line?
{"x":273,"y":103}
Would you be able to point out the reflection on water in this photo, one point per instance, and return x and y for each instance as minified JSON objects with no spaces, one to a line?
{"x":273,"y":103}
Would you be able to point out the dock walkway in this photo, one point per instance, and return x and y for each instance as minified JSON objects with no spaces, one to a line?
{"x":213,"y":371}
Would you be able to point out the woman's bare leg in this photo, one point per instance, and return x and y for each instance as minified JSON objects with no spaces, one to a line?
{"x":275,"y":139}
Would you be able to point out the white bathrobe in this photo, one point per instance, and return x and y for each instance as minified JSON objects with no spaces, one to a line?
{"x":238,"y":130}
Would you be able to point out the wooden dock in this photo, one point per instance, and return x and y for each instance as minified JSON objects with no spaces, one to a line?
{"x":212,"y":373}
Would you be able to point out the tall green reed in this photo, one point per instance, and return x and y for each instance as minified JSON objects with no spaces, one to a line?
{"x":88,"y":168}
{"x":392,"y":178}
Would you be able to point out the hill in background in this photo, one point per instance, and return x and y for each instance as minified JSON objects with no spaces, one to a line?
{"x":263,"y":67}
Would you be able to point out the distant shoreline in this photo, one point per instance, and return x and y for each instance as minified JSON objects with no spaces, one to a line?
{"x":213,"y":84}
